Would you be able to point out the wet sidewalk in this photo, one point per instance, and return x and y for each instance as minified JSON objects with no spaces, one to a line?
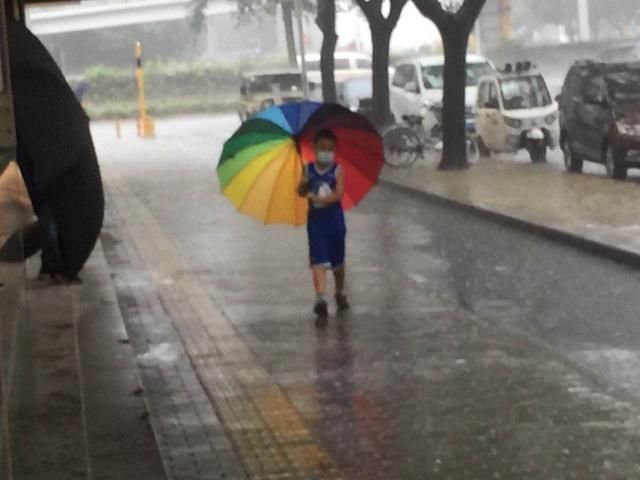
{"x":70,"y":390}
{"x":420,"y":380}
{"x":587,"y":206}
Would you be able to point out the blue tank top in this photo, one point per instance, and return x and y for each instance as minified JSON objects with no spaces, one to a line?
{"x":324,"y":183}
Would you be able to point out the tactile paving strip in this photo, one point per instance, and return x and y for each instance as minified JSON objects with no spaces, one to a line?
{"x":192,"y":442}
{"x":269,"y":435}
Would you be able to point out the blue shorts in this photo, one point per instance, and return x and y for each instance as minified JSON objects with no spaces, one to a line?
{"x":326,"y":246}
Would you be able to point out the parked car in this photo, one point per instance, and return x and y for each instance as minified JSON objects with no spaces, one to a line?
{"x":417,"y":85}
{"x":514,"y":111}
{"x":261,"y":90}
{"x":347,"y":65}
{"x":353,"y":90}
{"x":628,"y":52}
{"x":365,"y":108}
{"x":600,"y":116}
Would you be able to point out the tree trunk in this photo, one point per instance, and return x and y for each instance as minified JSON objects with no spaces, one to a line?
{"x":327,"y":23}
{"x":454,"y":152}
{"x":381,"y":40}
{"x":287,"y":18}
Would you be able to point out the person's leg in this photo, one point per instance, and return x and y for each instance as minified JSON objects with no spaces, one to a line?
{"x":319,"y":261}
{"x":339,"y":275}
{"x":321,"y":307}
{"x":339,"y":270}
{"x":51,"y":256}
{"x":319,"y":280}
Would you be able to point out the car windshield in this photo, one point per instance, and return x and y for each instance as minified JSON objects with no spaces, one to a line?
{"x":624,"y":88}
{"x":265,"y":83}
{"x":433,"y":75}
{"x":524,"y":92}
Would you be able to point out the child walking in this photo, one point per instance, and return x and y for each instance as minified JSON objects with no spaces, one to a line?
{"x":323,"y":185}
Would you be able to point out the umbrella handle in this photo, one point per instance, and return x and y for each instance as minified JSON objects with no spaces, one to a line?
{"x":305,"y":165}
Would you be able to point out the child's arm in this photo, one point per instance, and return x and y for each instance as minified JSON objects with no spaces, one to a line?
{"x":336,"y":196}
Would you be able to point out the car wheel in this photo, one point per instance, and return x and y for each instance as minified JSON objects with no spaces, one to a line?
{"x":613,"y":164}
{"x":482,"y":147}
{"x":572,"y":162}
{"x":538,"y":152}
{"x":402,"y":147}
{"x":473,"y":150}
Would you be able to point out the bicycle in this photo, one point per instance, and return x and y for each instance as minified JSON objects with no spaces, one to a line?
{"x":404,"y":144}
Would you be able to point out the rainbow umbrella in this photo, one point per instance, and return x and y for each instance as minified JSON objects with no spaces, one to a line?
{"x":263,"y":161}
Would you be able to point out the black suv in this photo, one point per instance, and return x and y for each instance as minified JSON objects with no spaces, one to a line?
{"x":600,"y":116}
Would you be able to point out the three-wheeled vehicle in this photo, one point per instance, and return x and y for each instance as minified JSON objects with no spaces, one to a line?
{"x":261,"y":90}
{"x":515,"y":111}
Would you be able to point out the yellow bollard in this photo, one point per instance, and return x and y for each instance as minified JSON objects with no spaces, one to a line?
{"x":146,"y":125}
{"x":118,"y":129}
{"x":506,"y":26}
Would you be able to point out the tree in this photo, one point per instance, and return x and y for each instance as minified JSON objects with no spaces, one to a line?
{"x":326,"y":21}
{"x":255,"y":7}
{"x":455,"y":24}
{"x":287,"y":18}
{"x":381,"y":27}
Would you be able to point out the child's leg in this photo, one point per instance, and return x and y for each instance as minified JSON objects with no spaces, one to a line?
{"x":339,"y":275}
{"x":320,"y":263}
{"x":320,"y":283}
{"x":339,"y":271}
{"x":319,"y":259}
{"x":319,"y":280}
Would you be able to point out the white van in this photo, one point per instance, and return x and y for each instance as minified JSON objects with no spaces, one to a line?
{"x":417,"y":85}
{"x":347,"y":65}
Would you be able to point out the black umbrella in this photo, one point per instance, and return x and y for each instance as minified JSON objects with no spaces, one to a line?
{"x":55,"y":152}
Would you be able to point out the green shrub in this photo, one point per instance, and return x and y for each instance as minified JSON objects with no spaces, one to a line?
{"x":159,"y":107}
{"x":171,"y":80}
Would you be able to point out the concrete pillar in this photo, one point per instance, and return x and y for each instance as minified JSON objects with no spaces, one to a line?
{"x":301,"y":49}
{"x":583,"y":20}
{"x":506,"y":27}
{"x":477,"y":35}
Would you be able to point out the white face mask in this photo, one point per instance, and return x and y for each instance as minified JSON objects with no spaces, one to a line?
{"x":325,"y":159}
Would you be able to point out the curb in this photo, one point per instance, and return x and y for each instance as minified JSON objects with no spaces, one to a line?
{"x":610,"y":252}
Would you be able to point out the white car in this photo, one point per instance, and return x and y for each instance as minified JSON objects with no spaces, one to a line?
{"x":347,"y":65}
{"x":353,"y":90}
{"x":515,"y":111}
{"x":417,"y":85}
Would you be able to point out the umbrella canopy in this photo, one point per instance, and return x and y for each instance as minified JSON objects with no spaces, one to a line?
{"x":262,"y":163}
{"x":54,"y":150}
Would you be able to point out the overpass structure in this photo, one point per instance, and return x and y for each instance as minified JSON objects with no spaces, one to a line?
{"x":96,"y":15}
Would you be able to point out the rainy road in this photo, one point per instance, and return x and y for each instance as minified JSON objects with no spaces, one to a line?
{"x":473,"y":350}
